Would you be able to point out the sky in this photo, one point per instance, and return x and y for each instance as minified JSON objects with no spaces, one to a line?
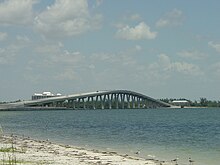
{"x":163,"y":49}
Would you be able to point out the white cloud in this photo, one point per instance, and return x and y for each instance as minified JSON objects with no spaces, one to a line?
{"x":16,"y":12}
{"x":59,"y":64}
{"x":3,"y":36}
{"x":172,"y":18}
{"x":66,"y":18}
{"x":99,"y":2}
{"x":193,"y":54}
{"x":215,"y":69}
{"x":166,"y":65}
{"x":7,"y":55}
{"x":216,"y":46}
{"x":141,"y":31}
{"x":49,"y":48}
{"x":67,"y":58}
{"x":23,"y":39}
{"x":138,"y":47}
{"x":135,"y":17}
{"x":67,"y":74}
{"x":186,"y":68}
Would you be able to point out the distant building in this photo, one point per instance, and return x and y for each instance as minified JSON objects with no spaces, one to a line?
{"x":43,"y":95}
{"x":181,"y":103}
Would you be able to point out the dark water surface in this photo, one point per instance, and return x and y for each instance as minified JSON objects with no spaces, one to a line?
{"x":159,"y":133}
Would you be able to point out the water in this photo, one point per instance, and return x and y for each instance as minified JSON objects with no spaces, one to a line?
{"x":161,"y":133}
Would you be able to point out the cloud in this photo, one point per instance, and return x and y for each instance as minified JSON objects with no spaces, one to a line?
{"x":164,"y":64}
{"x":193,"y":54}
{"x":186,"y":68}
{"x":23,"y":39}
{"x":14,"y":12}
{"x":170,"y":19}
{"x":7,"y":55}
{"x":66,"y":18}
{"x":124,"y":58}
{"x":215,"y":70}
{"x":135,"y":17}
{"x":216,"y":46}
{"x":49,"y":48}
{"x":72,"y":63}
{"x":3,"y":36}
{"x":55,"y":64}
{"x":99,"y":2}
{"x":139,"y":32}
{"x":138,"y":47}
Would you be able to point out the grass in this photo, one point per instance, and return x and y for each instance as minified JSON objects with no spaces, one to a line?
{"x":7,"y":149}
{"x":9,"y":156}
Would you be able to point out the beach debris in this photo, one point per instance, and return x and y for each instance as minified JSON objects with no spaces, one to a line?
{"x":33,"y":151}
{"x":175,"y":160}
{"x":191,"y":161}
{"x":151,"y":156}
{"x":138,"y":152}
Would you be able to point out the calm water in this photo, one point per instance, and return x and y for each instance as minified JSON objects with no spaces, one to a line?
{"x":163,"y":133}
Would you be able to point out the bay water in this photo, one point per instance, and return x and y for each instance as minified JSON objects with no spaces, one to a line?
{"x":162,"y":134}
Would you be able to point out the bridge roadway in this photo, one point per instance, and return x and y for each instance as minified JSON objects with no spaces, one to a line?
{"x":114,"y":99}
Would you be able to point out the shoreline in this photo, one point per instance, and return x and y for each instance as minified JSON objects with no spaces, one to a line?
{"x":25,"y":150}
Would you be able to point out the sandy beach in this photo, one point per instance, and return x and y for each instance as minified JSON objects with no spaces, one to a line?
{"x":24,"y":150}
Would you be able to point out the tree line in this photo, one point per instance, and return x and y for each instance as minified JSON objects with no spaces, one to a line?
{"x":203,"y":102}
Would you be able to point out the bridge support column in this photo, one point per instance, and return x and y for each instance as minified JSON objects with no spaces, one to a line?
{"x":150,"y":105}
{"x":128,"y":101}
{"x":54,"y":104}
{"x":143,"y":103}
{"x":96,"y":101}
{"x":68,"y":104}
{"x":87,"y":103}
{"x":102,"y":102}
{"x":109,"y":101}
{"x":73,"y":104}
{"x":122,"y":101}
{"x":84,"y":104}
{"x":116,"y":100}
{"x":138,"y":102}
{"x":112,"y":98}
{"x":93,"y":103}
{"x":133,"y":101}
{"x":78,"y":103}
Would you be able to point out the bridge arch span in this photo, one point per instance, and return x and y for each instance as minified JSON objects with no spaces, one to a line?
{"x":112,"y":99}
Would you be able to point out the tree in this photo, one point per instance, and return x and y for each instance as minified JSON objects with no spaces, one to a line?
{"x":203,"y":102}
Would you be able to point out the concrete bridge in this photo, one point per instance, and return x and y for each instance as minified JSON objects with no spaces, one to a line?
{"x":114,"y":99}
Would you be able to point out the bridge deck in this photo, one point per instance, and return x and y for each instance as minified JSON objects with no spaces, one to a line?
{"x":112,"y":99}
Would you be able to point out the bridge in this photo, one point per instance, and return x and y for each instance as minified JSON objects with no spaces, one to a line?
{"x":114,"y":99}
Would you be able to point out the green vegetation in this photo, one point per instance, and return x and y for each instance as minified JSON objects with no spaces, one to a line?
{"x":7,"y":149}
{"x":203,"y":102}
{"x":9,"y":157}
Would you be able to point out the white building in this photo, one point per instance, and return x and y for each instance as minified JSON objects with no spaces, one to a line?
{"x":181,"y":103}
{"x":44,"y":95}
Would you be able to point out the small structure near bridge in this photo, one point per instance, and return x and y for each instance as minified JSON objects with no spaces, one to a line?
{"x":181,"y":103}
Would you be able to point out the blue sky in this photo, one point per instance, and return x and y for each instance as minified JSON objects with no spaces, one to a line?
{"x":164,"y":49}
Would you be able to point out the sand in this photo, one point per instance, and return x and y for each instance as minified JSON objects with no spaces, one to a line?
{"x":23,"y":150}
